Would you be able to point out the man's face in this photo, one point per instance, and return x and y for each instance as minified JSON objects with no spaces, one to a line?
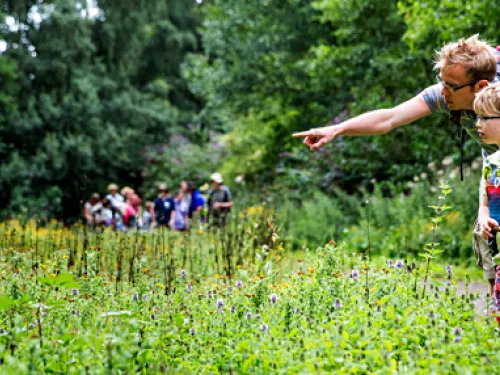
{"x":462,"y":98}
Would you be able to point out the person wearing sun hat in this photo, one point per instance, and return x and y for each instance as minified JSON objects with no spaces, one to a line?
{"x":114,"y":197}
{"x":220,"y":201}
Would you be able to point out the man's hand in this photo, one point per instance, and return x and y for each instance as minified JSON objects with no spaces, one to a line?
{"x":487,"y":224}
{"x":318,"y":137}
{"x":216,"y":205}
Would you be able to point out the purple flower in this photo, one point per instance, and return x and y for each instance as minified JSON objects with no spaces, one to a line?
{"x":232,"y":309}
{"x":30,"y":326}
{"x":239,"y":284}
{"x":220,"y":303}
{"x":135,"y":296}
{"x":74,"y":292}
{"x":448,"y":269}
{"x":457,"y":338}
{"x":189,"y":288}
{"x":145,"y":297}
{"x":273,"y":298}
{"x":183,"y":274}
{"x":399,"y":263}
{"x":209,"y":294}
{"x":338,"y":304}
{"x":354,"y":274}
{"x":249,"y":315}
{"x":264,"y":327}
{"x":192,"y":331}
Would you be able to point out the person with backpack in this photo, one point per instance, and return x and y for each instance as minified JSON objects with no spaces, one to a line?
{"x":465,"y":68}
{"x":220,"y":202}
{"x":162,"y":209}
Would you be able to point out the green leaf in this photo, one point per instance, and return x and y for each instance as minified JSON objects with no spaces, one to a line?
{"x":6,"y":302}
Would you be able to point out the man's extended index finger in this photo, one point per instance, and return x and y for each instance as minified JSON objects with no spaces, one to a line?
{"x":302,"y":134}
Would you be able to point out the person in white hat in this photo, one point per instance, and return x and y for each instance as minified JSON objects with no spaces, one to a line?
{"x":220,"y":201}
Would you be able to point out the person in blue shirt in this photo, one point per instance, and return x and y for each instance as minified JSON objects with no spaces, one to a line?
{"x":197,"y":203}
{"x":163,"y":208}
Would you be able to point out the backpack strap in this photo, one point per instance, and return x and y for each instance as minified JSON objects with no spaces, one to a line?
{"x":462,"y":135}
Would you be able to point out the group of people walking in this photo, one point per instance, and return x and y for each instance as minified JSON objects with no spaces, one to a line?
{"x":123,"y":210}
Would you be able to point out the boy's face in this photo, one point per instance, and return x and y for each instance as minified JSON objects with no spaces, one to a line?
{"x":488,"y":129}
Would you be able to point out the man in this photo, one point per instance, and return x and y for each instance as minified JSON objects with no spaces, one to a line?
{"x":219,"y":201}
{"x":114,"y":197}
{"x":465,"y":68}
{"x":163,"y":208}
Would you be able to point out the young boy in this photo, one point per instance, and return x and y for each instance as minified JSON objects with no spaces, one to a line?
{"x":487,"y":108}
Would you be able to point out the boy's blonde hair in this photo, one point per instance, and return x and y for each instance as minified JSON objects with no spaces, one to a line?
{"x":474,"y":54}
{"x":487,"y":102}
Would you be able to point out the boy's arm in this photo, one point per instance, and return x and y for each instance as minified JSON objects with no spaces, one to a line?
{"x":486,"y":223}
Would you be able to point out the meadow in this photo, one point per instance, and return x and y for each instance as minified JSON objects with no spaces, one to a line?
{"x":80,"y":300}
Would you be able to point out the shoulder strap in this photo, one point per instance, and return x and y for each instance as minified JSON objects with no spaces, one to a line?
{"x":462,"y":135}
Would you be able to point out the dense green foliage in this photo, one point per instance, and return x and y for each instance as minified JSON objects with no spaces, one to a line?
{"x":138,"y":93}
{"x":73,"y":301}
{"x":89,"y":96}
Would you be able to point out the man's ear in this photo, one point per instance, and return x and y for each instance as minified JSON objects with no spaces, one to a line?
{"x":481,"y":85}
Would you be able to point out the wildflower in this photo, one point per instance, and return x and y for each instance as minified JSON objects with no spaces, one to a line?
{"x":183,"y":273}
{"x":209,"y":294}
{"x":399,"y":264}
{"x":135,"y":296}
{"x":30,"y":326}
{"x":232,"y":309}
{"x":75,"y":312}
{"x":457,"y":338}
{"x":249,"y":315}
{"x":390,"y":263}
{"x":448,"y":269}
{"x":297,"y":310}
{"x":192,"y":331}
{"x":74,"y":292}
{"x":273,"y":298}
{"x":189,"y":288}
{"x":354,"y":274}
{"x":338,"y":304}
{"x":145,"y":298}
{"x":458,"y":331}
{"x":239,"y":284}
{"x":264,"y":327}
{"x":220,"y":303}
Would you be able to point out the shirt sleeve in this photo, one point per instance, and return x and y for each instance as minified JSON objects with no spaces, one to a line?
{"x":228,"y":196}
{"x":433,"y":98}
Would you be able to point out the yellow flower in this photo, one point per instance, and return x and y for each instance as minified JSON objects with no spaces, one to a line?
{"x":44,"y":266}
{"x":160,"y":285}
{"x":52,"y":275}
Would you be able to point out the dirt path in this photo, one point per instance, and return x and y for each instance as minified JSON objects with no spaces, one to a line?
{"x":474,"y":287}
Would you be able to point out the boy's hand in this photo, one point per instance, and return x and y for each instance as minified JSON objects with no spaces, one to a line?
{"x":487,"y":225}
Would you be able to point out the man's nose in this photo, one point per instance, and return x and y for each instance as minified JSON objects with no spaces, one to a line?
{"x":445,"y":91}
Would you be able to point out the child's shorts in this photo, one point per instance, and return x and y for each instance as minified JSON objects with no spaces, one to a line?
{"x":482,"y":251}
